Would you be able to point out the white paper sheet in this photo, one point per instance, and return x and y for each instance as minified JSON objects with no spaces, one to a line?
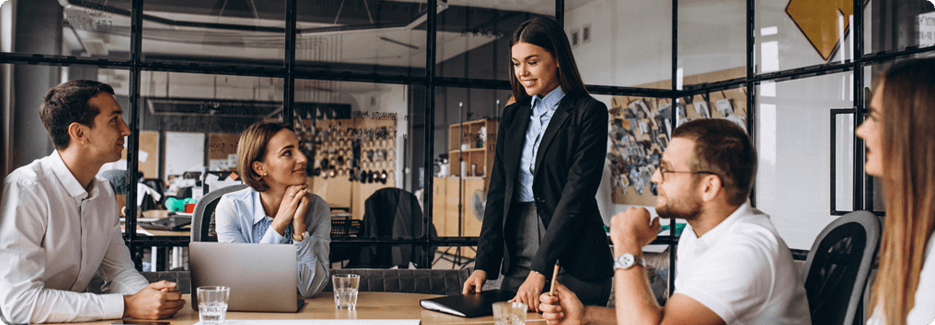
{"x":320,"y":322}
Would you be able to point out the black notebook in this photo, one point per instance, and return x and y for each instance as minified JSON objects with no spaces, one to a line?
{"x":469,"y":305}
{"x":172,"y":223}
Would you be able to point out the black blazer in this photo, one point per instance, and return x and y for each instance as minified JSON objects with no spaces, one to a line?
{"x":568,"y":170}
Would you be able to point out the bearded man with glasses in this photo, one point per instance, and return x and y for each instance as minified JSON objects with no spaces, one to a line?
{"x":732,"y":268}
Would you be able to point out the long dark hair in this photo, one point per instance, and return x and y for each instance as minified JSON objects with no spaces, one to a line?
{"x":549,"y":35}
{"x":908,"y":184}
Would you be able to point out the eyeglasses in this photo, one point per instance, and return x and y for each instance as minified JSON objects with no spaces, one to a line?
{"x":663,"y":171}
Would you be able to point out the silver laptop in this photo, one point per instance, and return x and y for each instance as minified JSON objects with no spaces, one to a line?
{"x":261,"y":277}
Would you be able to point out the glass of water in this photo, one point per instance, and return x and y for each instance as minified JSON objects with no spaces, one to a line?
{"x":509,"y":313}
{"x":345,"y":290}
{"x":212,"y":304}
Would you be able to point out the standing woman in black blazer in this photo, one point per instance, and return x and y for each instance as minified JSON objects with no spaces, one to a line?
{"x":549,"y":159}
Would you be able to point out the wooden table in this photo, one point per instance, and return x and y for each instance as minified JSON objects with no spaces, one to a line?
{"x":370,"y":305}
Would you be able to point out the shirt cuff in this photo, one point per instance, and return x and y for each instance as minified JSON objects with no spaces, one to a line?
{"x":272,"y":237}
{"x":113,"y":306}
{"x":305,"y":237}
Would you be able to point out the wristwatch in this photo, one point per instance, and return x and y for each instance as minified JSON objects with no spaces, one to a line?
{"x":303,"y":237}
{"x":627,"y":260}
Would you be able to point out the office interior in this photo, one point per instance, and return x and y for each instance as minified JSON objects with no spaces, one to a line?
{"x":406,"y":94}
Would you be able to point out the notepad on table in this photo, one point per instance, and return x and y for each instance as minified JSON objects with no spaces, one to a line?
{"x":469,"y":305}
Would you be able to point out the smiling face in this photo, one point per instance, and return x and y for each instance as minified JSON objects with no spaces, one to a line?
{"x":283,"y":164}
{"x":678,"y":196}
{"x":871,"y":131}
{"x":105,"y":139}
{"x":535,"y":68}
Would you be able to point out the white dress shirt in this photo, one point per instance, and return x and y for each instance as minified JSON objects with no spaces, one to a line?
{"x":742,"y":271}
{"x":54,"y":236}
{"x":240,"y":218}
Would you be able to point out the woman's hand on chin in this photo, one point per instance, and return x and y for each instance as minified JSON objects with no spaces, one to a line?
{"x":298,"y":219}
{"x":288,"y":206}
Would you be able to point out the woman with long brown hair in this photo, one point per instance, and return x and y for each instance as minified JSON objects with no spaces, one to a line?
{"x":900,"y":138}
{"x":541,"y":204}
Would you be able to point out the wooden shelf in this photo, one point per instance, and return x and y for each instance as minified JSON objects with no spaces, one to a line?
{"x":454,"y":195}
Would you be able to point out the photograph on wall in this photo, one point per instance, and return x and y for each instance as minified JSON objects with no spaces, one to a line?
{"x":640,"y":132}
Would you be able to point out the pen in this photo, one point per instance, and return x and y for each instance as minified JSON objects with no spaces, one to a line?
{"x":554,"y":278}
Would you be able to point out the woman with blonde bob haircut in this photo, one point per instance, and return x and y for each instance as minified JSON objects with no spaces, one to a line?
{"x":276,"y":208}
{"x":900,"y":137}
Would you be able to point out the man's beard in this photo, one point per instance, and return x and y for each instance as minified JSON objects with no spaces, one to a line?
{"x":688,"y":208}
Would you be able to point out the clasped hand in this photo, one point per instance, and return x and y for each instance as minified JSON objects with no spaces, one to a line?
{"x":292,"y":209}
{"x":632,"y":229}
{"x":158,"y":300}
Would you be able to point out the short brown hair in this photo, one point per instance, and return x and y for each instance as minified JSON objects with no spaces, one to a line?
{"x":722,"y":148}
{"x":252,"y":147}
{"x":70,"y":103}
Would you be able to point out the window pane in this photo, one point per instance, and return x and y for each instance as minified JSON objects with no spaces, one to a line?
{"x":802,"y":33}
{"x":474,"y":36}
{"x":898,"y":24}
{"x":97,"y":29}
{"x":712,"y":38}
{"x":465,"y":140}
{"x":793,"y":141}
{"x":385,"y":37}
{"x":214,"y":32}
{"x":629,"y":42}
{"x":355,"y":136}
{"x":195,"y":121}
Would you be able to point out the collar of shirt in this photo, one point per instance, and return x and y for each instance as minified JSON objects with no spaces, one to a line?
{"x":68,"y":180}
{"x":711,"y":237}
{"x":258,"y":213}
{"x":547,"y":104}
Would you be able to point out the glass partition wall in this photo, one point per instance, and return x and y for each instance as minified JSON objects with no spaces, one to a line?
{"x":406,"y":95}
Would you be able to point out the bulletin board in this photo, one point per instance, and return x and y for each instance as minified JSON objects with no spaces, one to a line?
{"x":148,"y":154}
{"x":222,"y":151}
{"x":641,"y":127}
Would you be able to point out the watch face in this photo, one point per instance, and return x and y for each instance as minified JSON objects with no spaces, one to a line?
{"x":624,"y":261}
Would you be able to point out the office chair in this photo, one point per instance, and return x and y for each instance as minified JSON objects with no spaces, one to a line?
{"x":160,"y":188}
{"x":392,"y":212}
{"x":428,"y":281}
{"x":203,"y":217}
{"x":837,"y":266}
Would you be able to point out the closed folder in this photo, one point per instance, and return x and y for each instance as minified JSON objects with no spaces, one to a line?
{"x":469,"y":305}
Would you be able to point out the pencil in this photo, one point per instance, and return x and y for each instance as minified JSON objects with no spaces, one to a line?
{"x":554,"y":279}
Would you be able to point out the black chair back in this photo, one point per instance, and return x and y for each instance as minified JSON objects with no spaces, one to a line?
{"x":429,"y":281}
{"x":837,"y":266}
{"x":203,"y":217}
{"x":392,"y":213}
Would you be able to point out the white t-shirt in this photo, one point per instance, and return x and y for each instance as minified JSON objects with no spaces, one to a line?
{"x":923,"y":313}
{"x":742,"y":271}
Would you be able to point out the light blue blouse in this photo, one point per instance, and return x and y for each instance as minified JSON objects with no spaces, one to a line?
{"x":542,"y":110}
{"x":240,"y":219}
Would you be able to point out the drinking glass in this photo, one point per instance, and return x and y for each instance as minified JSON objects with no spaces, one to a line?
{"x":509,"y":313}
{"x":345,"y":290}
{"x":212,"y":304}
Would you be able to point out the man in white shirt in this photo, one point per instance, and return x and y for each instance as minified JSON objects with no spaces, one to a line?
{"x":59,"y":224}
{"x":732,"y":268}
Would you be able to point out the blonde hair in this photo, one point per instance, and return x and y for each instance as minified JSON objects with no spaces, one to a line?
{"x":908,"y":118}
